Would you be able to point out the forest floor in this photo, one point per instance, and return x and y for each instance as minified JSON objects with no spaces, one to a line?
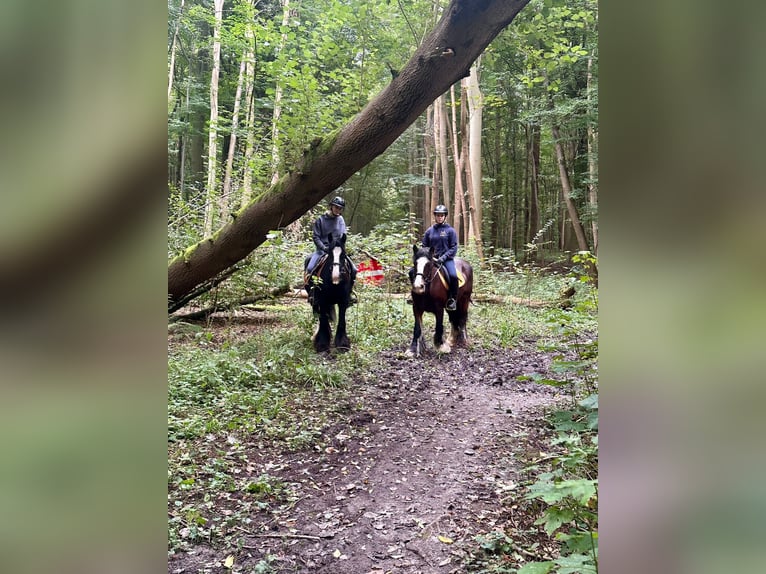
{"x":419,"y":457}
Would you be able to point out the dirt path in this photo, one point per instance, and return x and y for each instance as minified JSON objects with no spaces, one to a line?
{"x":418,"y":468}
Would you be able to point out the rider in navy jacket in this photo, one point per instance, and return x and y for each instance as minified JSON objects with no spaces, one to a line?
{"x":442,"y":237}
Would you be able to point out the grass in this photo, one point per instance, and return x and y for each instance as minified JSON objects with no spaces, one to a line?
{"x":232,"y":390}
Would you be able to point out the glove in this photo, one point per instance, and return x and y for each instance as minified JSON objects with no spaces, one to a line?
{"x":441,"y":260}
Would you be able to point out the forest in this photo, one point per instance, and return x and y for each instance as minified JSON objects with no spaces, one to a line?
{"x":284,"y":460}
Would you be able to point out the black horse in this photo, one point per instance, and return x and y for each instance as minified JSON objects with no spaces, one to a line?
{"x":430,"y":290}
{"x":331,"y":285}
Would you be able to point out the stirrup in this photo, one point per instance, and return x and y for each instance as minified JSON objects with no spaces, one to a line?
{"x":451,"y":304}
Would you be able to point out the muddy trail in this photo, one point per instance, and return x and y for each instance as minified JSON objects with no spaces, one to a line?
{"x":427,"y":455}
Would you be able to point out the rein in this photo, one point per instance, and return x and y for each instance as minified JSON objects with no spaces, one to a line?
{"x":434,"y":271}
{"x":343,"y":264}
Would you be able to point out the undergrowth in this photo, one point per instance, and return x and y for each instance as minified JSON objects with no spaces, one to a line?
{"x":230,"y":392}
{"x":557,"y":528}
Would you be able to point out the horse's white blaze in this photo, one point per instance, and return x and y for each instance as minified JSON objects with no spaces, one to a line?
{"x":419,"y":286}
{"x":336,"y":251}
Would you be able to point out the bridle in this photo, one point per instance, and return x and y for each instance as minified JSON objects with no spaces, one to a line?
{"x":341,"y":263}
{"x":434,"y":271}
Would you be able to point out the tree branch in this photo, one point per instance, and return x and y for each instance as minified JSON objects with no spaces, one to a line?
{"x":205,"y":313}
{"x":461,"y":35}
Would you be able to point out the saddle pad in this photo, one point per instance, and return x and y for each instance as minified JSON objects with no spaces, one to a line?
{"x":445,"y":282}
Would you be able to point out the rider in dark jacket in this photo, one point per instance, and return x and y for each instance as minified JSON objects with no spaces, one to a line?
{"x":442,"y":237}
{"x":330,"y":223}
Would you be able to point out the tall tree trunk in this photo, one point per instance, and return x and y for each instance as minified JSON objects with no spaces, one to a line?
{"x":247,"y":176}
{"x":514,"y":186}
{"x":592,"y":153}
{"x":475,"y":108}
{"x":534,"y":182}
{"x":173,"y":47}
{"x":184,"y":145}
{"x":566,"y":188}
{"x":226,"y":192}
{"x":464,"y":163}
{"x":457,"y":161}
{"x":212,"y":141}
{"x":427,"y":147}
{"x":436,"y":184}
{"x":497,"y":181}
{"x":197,"y":140}
{"x":445,"y":56}
{"x":278,"y":99}
{"x":413,"y":189}
{"x":446,"y":189}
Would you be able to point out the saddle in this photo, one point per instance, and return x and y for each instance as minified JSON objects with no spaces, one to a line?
{"x":445,"y":278}
{"x":317,"y":270}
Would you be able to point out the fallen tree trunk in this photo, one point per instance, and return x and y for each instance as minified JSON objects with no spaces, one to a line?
{"x":205,"y":313}
{"x":445,"y":56}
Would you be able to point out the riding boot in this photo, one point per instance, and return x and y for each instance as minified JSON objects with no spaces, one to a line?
{"x":451,"y":302}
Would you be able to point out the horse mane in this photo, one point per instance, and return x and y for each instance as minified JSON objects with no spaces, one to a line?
{"x":339,"y":241}
{"x":422,"y":252}
{"x":345,"y":259}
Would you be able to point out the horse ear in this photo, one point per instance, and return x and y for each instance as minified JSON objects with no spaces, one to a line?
{"x":343,"y":239}
{"x":414,"y":248}
{"x":431,"y":252}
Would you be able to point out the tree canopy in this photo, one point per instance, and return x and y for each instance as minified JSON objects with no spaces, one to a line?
{"x":302,"y":78}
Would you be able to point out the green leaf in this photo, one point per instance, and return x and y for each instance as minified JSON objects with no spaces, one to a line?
{"x":554,"y":492}
{"x":581,"y":490}
{"x":536,"y":568}
{"x":554,"y":517}
{"x":575,"y":564}
{"x":579,"y":542}
{"x":589,"y":402}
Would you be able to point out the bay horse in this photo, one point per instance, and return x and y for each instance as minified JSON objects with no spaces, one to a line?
{"x":430,"y":290}
{"x":332,"y":285}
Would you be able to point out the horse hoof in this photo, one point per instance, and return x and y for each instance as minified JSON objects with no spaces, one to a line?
{"x":445,"y":349}
{"x":409,"y":354}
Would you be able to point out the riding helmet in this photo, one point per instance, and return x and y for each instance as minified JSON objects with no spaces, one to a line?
{"x":339,"y":202}
{"x":440,"y":210}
